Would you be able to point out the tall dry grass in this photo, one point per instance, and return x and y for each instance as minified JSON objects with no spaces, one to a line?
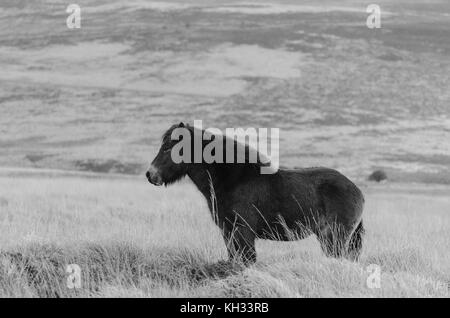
{"x":134,"y":240}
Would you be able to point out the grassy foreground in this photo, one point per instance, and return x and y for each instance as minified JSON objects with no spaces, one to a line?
{"x":134,"y":240}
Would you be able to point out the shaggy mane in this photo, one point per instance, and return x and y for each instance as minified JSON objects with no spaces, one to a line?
{"x":166,"y":138}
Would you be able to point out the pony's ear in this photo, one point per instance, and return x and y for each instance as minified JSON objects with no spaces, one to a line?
{"x":181,"y":124}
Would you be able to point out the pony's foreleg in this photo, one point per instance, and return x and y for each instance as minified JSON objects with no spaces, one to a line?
{"x":240,"y":242}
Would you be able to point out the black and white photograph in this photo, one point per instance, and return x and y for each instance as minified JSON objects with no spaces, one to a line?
{"x":224,"y":154}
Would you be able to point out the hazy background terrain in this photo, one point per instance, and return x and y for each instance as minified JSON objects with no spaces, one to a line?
{"x":345,"y":96}
{"x":82,"y":112}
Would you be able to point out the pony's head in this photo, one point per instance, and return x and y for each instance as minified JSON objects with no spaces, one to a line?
{"x":181,"y":152}
{"x":163,"y":169}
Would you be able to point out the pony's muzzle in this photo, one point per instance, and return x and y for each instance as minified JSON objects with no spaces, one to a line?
{"x":153,"y":176}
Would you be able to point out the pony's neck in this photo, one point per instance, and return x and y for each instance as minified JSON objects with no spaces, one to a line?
{"x":205,"y":178}
{"x":219,"y":178}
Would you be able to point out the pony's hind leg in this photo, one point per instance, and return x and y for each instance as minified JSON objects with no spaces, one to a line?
{"x":355,"y":244}
{"x":334,"y":240}
{"x":341,"y":216}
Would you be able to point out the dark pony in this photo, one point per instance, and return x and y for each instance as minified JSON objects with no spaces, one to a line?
{"x":285,"y":205}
